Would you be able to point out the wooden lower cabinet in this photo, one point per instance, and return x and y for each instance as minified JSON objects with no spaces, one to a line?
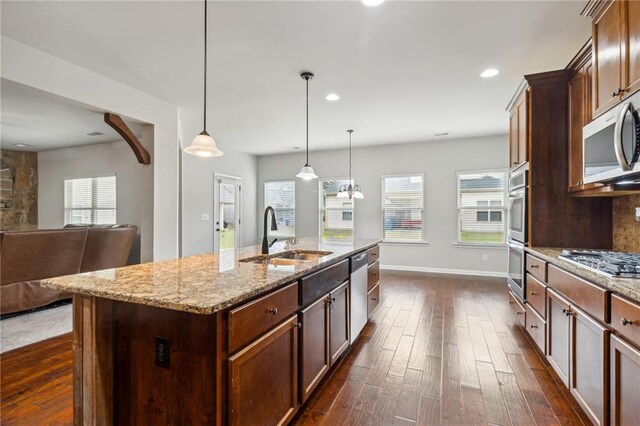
{"x":314,"y":347}
{"x":263,"y":378}
{"x":373,"y":299}
{"x":338,"y":322}
{"x":558,"y":334}
{"x":625,"y":383}
{"x":589,"y":382}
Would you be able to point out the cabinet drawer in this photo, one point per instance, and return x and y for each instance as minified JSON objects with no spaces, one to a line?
{"x":316,"y":285}
{"x":518,"y":309}
{"x":536,"y":267}
{"x":254,"y":318}
{"x":589,"y":297}
{"x":537,"y":295}
{"x":536,"y":327}
{"x":625,"y":318}
{"x":373,"y":254}
{"x":373,"y":299}
{"x":374,"y":275}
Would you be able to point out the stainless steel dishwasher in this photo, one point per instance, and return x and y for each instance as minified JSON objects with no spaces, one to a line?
{"x":358,"y":294}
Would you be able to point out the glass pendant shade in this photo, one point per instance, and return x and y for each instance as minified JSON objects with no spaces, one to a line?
{"x":203,"y":145}
{"x":349,"y":191}
{"x":307,"y":173}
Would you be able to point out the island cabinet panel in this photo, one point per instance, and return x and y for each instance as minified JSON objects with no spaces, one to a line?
{"x":314,"y":343}
{"x":558,"y":324}
{"x":589,"y":365}
{"x":177,"y":388}
{"x":254,"y":318}
{"x":625,"y":383}
{"x":339,"y":321}
{"x":320,"y":283}
{"x":263,"y":378}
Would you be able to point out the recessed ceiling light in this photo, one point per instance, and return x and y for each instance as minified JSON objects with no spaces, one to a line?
{"x":332,"y":97}
{"x":21,"y":145}
{"x":489,"y":72}
{"x":372,"y":3}
{"x":95,"y":134}
{"x":441,"y":134}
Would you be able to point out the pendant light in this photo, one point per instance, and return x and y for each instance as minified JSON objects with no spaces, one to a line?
{"x":203,"y":145}
{"x":306,"y":172}
{"x":350,"y":191}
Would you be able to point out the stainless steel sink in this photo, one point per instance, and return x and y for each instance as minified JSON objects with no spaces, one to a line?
{"x":287,"y":257}
{"x":304,"y":255}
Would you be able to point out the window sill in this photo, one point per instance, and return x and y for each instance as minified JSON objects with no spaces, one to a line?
{"x":480,"y":245}
{"x":405,"y":243}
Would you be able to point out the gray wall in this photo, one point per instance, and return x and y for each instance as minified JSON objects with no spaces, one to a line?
{"x":197,"y":198}
{"x":438,"y":160}
{"x":134,"y":185}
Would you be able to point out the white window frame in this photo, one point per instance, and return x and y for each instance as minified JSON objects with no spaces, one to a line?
{"x":421,"y":241}
{"x":320,"y":209}
{"x":264,"y":202}
{"x":504,"y":209}
{"x":93,"y":208}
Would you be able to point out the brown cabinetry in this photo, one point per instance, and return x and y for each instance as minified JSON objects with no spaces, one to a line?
{"x":314,"y":346}
{"x":270,"y":361}
{"x":558,"y":312}
{"x":537,"y":296}
{"x":519,"y":129}
{"x":625,"y":318}
{"x":518,"y":309}
{"x":625,"y":383}
{"x":338,"y":321}
{"x":373,"y":299}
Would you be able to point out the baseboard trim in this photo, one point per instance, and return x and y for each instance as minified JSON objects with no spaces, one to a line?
{"x":444,"y":271}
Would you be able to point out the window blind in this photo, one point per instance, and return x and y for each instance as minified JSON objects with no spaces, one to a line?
{"x":482,"y":207}
{"x":282,"y":197}
{"x":90,"y":200}
{"x":336,"y":214}
{"x":403,"y":208}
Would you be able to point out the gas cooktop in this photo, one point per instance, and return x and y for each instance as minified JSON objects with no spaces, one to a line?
{"x":608,"y":263}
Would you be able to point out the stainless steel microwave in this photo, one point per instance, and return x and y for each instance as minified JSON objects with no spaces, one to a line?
{"x":611,"y":143}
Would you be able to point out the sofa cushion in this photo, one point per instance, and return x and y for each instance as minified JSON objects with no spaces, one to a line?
{"x":107,"y":247}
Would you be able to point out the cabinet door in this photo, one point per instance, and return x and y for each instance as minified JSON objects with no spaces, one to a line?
{"x":607,"y":48}
{"x":339,"y":318}
{"x":523,"y":128}
{"x":558,"y":327}
{"x":577,"y":108}
{"x":314,"y":361}
{"x":589,"y":365}
{"x":513,"y":137}
{"x":632,"y":56}
{"x":625,"y":383}
{"x":263,"y":378}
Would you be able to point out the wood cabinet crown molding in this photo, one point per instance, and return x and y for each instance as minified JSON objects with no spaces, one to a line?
{"x":582,"y":58}
{"x":594,"y":7}
{"x":521,"y":88}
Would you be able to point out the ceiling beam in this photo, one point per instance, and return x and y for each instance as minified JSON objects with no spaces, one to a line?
{"x":118,"y":124}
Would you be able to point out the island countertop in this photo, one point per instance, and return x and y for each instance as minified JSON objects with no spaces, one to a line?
{"x":206,"y":283}
{"x":628,"y":287}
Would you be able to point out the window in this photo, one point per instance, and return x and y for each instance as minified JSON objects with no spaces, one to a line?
{"x":402,"y":208}
{"x":481,"y":207}
{"x":282,"y":197}
{"x":90,"y":200}
{"x":336,"y":214}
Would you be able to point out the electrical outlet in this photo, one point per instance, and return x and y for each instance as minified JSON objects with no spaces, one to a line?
{"x":163,"y":352}
{"x":485,"y":256}
{"x":204,"y":216}
{"x":638,"y":214}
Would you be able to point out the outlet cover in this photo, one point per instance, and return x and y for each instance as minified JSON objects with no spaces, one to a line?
{"x":204,"y":216}
{"x":485,"y":256}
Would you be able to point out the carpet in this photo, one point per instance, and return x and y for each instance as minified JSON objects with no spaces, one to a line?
{"x":32,"y":327}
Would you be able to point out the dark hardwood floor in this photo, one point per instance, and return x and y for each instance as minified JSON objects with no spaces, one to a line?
{"x":439,"y":350}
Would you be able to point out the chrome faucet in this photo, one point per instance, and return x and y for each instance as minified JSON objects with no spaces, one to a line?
{"x":274,"y":227}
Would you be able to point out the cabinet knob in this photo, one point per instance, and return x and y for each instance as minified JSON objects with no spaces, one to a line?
{"x":534,"y":266}
{"x":625,"y":321}
{"x":273,"y":311}
{"x":374,"y":298}
{"x":520,"y":313}
{"x":617,"y":92}
{"x":533,"y":293}
{"x":533,"y":326}
{"x":298,"y":325}
{"x":567,"y":312}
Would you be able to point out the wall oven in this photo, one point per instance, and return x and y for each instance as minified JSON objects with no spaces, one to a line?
{"x":518,"y":189}
{"x":515,"y":274}
{"x":611,"y":144}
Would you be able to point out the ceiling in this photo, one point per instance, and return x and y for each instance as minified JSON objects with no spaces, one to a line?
{"x":45,"y":121}
{"x":404,"y":70}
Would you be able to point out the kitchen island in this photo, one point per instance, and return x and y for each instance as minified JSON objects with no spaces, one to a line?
{"x":228,"y":338}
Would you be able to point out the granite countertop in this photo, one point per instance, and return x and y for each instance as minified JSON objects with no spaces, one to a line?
{"x":207,"y":283}
{"x":625,"y":286}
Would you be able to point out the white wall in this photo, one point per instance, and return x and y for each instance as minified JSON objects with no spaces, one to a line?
{"x":133,"y":180}
{"x":197,"y":198}
{"x":31,"y":67}
{"x":438,"y":160}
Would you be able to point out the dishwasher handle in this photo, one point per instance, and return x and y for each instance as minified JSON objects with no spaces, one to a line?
{"x":358,"y":261}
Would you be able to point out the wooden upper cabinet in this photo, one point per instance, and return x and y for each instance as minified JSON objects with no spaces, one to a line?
{"x":519,"y":129}
{"x":608,"y":56}
{"x":579,"y":116}
{"x":632,"y":46}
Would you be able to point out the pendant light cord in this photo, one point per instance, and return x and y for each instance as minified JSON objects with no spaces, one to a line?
{"x":307,"y":79}
{"x":205,"y":66}
{"x":350,"y":131}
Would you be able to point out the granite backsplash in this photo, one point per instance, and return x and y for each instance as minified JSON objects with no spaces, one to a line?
{"x":19,"y":193}
{"x":626,"y":230}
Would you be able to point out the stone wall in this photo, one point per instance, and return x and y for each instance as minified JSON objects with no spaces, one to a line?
{"x":626,"y":230}
{"x":19,"y":199}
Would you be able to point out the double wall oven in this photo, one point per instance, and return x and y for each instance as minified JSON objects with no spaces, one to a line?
{"x":517,"y":232}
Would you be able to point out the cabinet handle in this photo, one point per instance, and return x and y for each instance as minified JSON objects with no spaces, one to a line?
{"x":519,"y":313}
{"x":511,"y":302}
{"x":567,"y":312}
{"x":374,"y":298}
{"x":533,"y":326}
{"x":617,"y":92}
{"x":298,"y":325}
{"x":533,"y":293}
{"x":625,"y":321}
{"x":273,"y":311}
{"x":534,"y":266}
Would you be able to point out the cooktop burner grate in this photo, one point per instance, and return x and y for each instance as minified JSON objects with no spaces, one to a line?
{"x":608,"y":263}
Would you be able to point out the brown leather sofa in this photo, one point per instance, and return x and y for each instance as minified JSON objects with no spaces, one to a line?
{"x":26,"y":257}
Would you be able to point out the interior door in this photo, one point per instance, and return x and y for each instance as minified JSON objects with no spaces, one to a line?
{"x":227,"y":213}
